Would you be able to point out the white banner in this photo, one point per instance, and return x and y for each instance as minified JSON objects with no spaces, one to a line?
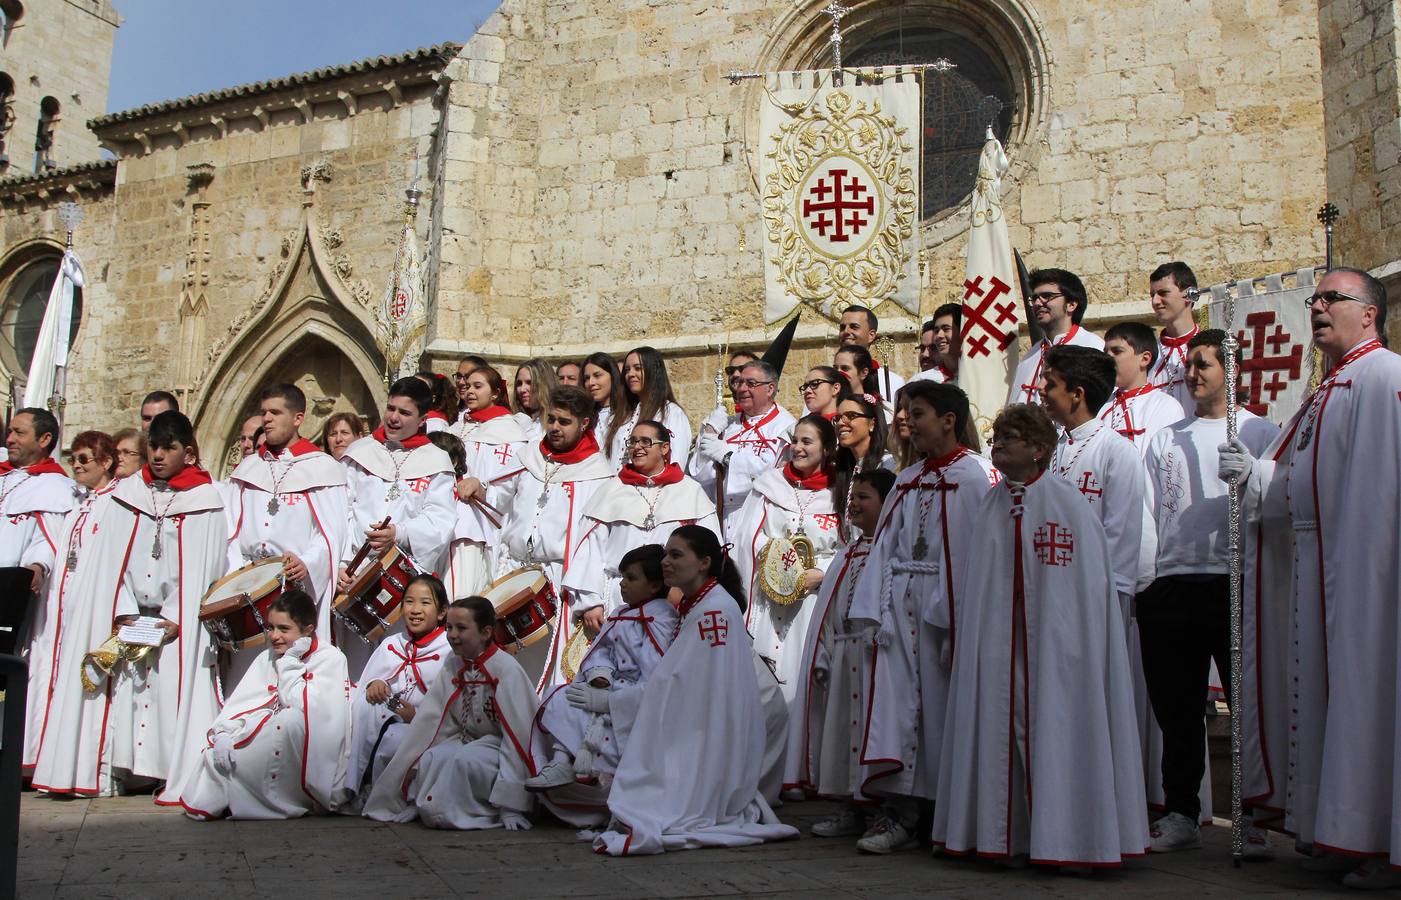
{"x":402,"y":317}
{"x":1276,"y":341}
{"x":839,"y":171}
{"x":992,"y":297}
{"x":46,"y":383}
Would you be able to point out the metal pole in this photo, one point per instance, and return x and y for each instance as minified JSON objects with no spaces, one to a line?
{"x":1230,"y":346}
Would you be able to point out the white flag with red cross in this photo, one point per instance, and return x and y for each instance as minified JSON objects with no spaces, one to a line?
{"x":839,"y":174}
{"x":992,"y":297}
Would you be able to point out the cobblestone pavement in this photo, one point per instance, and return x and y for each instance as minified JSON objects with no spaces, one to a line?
{"x":127,"y":848}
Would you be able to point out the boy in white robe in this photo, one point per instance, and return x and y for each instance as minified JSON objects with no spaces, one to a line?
{"x":1138,"y":408}
{"x":1041,"y":757}
{"x":1057,"y":302}
{"x":394,"y":684}
{"x":278,"y":747}
{"x":911,"y":594}
{"x":555,"y":484}
{"x":1172,"y":289}
{"x":465,"y":759}
{"x":572,"y":741}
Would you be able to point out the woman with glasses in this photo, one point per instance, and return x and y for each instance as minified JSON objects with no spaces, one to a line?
{"x":131,"y":451}
{"x":861,"y":437}
{"x":604,"y":383}
{"x":649,"y":398}
{"x":651,"y":497}
{"x":821,"y":391}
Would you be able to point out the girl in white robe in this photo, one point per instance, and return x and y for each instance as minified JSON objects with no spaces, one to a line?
{"x":649,"y":399}
{"x":278,"y":748}
{"x":788,"y":502}
{"x":394,"y":684}
{"x":465,"y":760}
{"x":688,"y":776}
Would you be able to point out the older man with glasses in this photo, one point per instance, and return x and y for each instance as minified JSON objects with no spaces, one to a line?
{"x":1058,"y":302}
{"x":1327,"y":497}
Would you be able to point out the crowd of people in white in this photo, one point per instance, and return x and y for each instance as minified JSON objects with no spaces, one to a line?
{"x":581,"y":609}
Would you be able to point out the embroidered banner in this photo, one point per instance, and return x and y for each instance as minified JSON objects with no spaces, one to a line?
{"x":839,"y":174}
{"x":1276,"y":342}
{"x":402,"y":317}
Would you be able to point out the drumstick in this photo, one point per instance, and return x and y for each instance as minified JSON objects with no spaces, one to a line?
{"x":487,"y":509}
{"x":359,"y":556}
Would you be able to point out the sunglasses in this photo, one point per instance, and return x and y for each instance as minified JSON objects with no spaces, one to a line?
{"x":1328,"y":298}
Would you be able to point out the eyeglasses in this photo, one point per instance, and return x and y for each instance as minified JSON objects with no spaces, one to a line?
{"x":849,"y":417}
{"x":130,"y":454}
{"x":750,"y":382}
{"x":812,"y":385}
{"x":644,"y":442}
{"x":1046,"y":296}
{"x":1003,"y":440}
{"x":458,"y":377}
{"x":1328,"y":298}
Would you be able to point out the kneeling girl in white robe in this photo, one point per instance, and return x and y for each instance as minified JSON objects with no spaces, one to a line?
{"x":464,"y":762}
{"x":396,"y":681}
{"x":580,"y":733}
{"x":689,"y":773}
{"x":278,"y":749}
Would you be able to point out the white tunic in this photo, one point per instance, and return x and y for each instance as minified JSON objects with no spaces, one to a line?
{"x":1026,"y":384}
{"x":32,"y":507}
{"x":289,"y":720}
{"x":1139,"y":414}
{"x":758,"y":445}
{"x":466,"y":758}
{"x":1041,"y":751}
{"x":492,"y":448}
{"x":911,"y":595}
{"x":415,"y":487}
{"x":1170,"y":371}
{"x":1108,"y":472}
{"x":675,"y":420}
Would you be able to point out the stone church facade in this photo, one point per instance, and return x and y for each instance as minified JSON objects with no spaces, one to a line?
{"x":588,"y":177}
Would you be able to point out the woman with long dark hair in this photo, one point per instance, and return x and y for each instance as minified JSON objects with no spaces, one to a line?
{"x":604,"y":383}
{"x":649,"y":398}
{"x":858,"y":368}
{"x":861,"y":436}
{"x":444,"y":408}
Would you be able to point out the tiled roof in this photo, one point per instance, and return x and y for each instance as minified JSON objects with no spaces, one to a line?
{"x":436,"y":53}
{"x":99,"y":168}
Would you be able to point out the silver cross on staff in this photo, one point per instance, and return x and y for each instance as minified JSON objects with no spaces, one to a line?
{"x":836,"y":11}
{"x":71,"y":215}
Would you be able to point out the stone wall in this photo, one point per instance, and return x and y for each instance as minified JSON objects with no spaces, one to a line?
{"x":62,"y":49}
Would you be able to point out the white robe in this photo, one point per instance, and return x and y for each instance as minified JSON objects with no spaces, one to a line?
{"x":779,"y":632}
{"x":311,"y":518}
{"x":630,"y":647}
{"x":58,"y":647}
{"x":31,"y":517}
{"x":1108,"y":472}
{"x":1321,"y":617}
{"x":1170,"y":371}
{"x":687,"y":777}
{"x":914,"y":605}
{"x":615,"y":522}
{"x":1138,"y":415}
{"x":758,"y":445}
{"x":1041,"y":751}
{"x":675,"y":420}
{"x":465,"y":759}
{"x":290,"y":723}
{"x":424,"y":509}
{"x":409,"y":667}
{"x":492,"y":450}
{"x":545,"y":536}
{"x":1026,"y":384}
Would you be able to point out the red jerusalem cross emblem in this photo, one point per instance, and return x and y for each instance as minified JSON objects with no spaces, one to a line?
{"x":1054,"y":545}
{"x":839,"y":206}
{"x":987,"y":307}
{"x":1271,"y":361}
{"x":401,"y":303}
{"x":714,"y":627}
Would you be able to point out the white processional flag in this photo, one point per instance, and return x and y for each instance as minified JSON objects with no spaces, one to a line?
{"x":402,"y":317}
{"x":1276,"y":340}
{"x":992,"y":297}
{"x":46,"y":383}
{"x":839,"y":175}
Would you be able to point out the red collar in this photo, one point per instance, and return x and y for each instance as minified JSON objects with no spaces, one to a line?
{"x":831,"y":415}
{"x":485,"y":415}
{"x":428,"y":638}
{"x":875,"y":364}
{"x":1063,"y":339}
{"x":748,"y":424}
{"x":412,"y":443}
{"x":411,"y":659}
{"x":689,"y":603}
{"x":299,"y":447}
{"x":947,"y":459}
{"x":436,"y":414}
{"x":819,"y":480}
{"x":190,"y":476}
{"x":669,"y":475}
{"x":1122,"y":396}
{"x":587,"y":446}
{"x":1355,"y":354}
{"x":45,"y":466}
{"x":1175,"y":342}
{"x":479,"y":661}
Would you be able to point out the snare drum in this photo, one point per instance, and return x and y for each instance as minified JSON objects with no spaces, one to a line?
{"x":372,"y":604}
{"x":525,"y":607}
{"x":235,"y":608}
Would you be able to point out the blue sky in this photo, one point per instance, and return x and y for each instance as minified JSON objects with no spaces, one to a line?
{"x":171,"y":48}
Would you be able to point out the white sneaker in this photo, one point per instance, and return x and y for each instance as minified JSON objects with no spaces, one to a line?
{"x":1373,"y":875}
{"x":1257,"y":845}
{"x":1175,"y":831}
{"x":886,"y":836}
{"x":846,"y":823}
{"x":555,"y":774}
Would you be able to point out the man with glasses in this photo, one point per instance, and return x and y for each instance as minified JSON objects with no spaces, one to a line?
{"x":752,"y":440}
{"x":1058,"y":302}
{"x":1172,"y":295}
{"x":1327,"y":495}
{"x":939,"y":346}
{"x":858,"y":329}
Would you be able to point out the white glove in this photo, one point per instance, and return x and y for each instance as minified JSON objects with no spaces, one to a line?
{"x":1233,"y":462}
{"x":587,"y":698}
{"x":713,"y":448}
{"x":514,"y":821}
{"x":299,"y":647}
{"x":222,"y":751}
